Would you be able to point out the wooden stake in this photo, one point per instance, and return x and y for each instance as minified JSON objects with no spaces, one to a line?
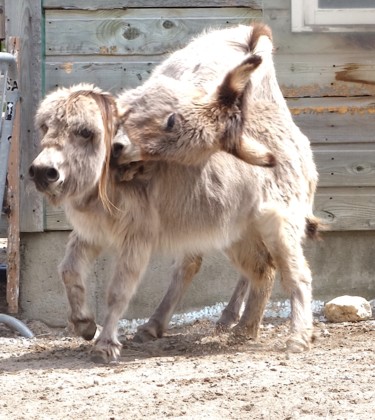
{"x":13,"y":201}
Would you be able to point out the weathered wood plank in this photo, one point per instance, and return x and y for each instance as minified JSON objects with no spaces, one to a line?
{"x":110,"y":76}
{"x":299,"y":76}
{"x":340,"y":208}
{"x":346,"y":208}
{"x":122,"y":4}
{"x":55,"y":219}
{"x":320,"y":75}
{"x":2,"y":20}
{"x":133,"y":31}
{"x":23,"y":20}
{"x":349,"y":165}
{"x":335,"y":120}
{"x":3,"y":226}
{"x":323,"y":120}
{"x":337,"y":128}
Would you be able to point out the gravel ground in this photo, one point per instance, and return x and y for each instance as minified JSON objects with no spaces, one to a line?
{"x":191,"y":374}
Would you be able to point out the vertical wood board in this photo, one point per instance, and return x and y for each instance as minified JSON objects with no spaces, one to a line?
{"x":13,"y":201}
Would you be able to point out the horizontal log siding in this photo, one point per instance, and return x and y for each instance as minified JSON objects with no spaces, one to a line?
{"x":328,"y":80}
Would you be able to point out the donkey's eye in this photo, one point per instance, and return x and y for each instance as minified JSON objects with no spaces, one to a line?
{"x":84,"y":133}
{"x":171,"y":121}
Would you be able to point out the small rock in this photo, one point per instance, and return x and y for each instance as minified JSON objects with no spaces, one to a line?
{"x":347,"y":309}
{"x":372,"y":304}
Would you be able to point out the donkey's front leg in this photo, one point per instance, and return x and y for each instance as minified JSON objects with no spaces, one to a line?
{"x":79,"y":256}
{"x":129,"y":270}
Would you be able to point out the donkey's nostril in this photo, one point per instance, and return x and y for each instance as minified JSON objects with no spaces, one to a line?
{"x":43,"y":174}
{"x":117,"y":149}
{"x":32,"y":172}
{"x":52,"y":174}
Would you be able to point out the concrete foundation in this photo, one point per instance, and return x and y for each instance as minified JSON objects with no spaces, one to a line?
{"x":343,"y":263}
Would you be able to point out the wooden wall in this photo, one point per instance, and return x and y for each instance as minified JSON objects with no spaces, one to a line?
{"x":328,"y":79}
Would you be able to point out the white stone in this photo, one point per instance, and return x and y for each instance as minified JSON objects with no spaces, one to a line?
{"x":347,"y":309}
{"x":372,"y":304}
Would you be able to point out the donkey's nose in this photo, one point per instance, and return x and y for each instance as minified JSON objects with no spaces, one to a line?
{"x":117,"y":149}
{"x":43,"y":175}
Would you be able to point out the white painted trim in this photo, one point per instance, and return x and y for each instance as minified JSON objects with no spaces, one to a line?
{"x":307,"y":17}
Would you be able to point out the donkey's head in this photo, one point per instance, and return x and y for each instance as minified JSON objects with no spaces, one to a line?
{"x":76,"y":127}
{"x":172,"y":120}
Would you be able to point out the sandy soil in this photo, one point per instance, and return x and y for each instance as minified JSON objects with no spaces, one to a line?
{"x":191,"y":374}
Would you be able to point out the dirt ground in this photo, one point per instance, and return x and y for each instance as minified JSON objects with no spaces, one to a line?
{"x":191,"y":374}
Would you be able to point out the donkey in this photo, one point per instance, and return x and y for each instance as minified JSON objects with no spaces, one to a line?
{"x":257,"y":216}
{"x":192,"y":107}
{"x":194,"y":73}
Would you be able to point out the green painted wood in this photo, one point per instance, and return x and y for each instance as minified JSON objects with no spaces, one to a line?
{"x":133,"y":31}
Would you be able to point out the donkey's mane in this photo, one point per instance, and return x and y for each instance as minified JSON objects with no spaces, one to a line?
{"x":108,"y":111}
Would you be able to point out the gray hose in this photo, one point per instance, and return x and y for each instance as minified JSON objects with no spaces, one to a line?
{"x":16,"y":324}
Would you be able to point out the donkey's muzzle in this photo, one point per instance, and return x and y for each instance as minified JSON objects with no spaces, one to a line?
{"x":43,"y":176}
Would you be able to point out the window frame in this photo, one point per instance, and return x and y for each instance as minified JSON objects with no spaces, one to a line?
{"x":308,"y":17}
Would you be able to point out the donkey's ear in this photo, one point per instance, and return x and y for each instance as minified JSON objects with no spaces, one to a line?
{"x":123,"y":112}
{"x":236,"y":80}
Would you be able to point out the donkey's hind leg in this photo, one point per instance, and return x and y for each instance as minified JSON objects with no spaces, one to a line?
{"x":283,"y":237}
{"x":73,"y":270}
{"x":231,"y":313}
{"x":183,"y":274}
{"x":254,"y":261}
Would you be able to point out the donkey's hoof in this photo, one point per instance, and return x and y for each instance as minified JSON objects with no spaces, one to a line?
{"x":221,"y":328}
{"x":85,"y":329}
{"x":106,"y":352}
{"x":299,"y":343}
{"x":226,"y":322}
{"x":143,"y":337}
{"x":243,"y":331}
{"x":148,"y":332}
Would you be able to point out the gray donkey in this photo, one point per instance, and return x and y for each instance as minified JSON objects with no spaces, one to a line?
{"x":257,"y":216}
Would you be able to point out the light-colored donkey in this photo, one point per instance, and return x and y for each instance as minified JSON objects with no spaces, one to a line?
{"x":257,"y":216}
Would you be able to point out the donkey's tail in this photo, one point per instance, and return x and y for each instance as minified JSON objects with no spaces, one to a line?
{"x":313,"y":227}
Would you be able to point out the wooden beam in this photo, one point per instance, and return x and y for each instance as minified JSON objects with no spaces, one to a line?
{"x":13,"y":201}
{"x":123,"y":4}
{"x":134,"y":31}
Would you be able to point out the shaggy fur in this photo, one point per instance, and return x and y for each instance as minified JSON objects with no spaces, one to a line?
{"x":256,"y":215}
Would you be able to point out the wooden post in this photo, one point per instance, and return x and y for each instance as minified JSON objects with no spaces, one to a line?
{"x":13,"y":200}
{"x":2,"y":20}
